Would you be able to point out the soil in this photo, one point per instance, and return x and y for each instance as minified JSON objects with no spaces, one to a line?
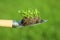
{"x":29,"y":21}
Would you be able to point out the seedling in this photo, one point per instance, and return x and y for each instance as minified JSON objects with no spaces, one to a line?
{"x":30,"y":17}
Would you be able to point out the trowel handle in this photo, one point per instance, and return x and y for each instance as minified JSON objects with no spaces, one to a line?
{"x":6,"y":23}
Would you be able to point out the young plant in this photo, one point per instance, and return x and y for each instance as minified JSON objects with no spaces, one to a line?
{"x":30,"y":13}
{"x":24,"y":13}
{"x":36,"y":13}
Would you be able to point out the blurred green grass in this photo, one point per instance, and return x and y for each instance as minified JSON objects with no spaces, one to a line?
{"x":49,"y":9}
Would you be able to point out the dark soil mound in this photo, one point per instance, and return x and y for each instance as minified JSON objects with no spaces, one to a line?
{"x":29,"y":21}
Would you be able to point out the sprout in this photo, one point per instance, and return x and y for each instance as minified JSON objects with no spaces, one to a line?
{"x":24,"y":13}
{"x":35,"y":13}
{"x":30,"y":13}
{"x":19,"y":11}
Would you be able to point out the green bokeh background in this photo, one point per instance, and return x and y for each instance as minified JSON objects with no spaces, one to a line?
{"x":49,"y":9}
